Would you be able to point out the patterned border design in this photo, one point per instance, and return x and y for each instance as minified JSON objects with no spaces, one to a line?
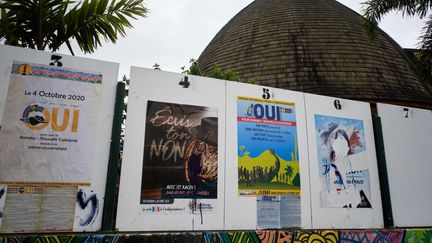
{"x":260,"y":236}
{"x":56,"y":72}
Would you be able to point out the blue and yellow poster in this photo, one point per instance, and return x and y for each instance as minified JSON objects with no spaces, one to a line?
{"x":267,"y":147}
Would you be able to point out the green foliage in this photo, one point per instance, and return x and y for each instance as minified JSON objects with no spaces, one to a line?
{"x":39,"y":24}
{"x":230,"y":74}
{"x":296,"y":180}
{"x":289,"y":171}
{"x":194,"y":69}
{"x":253,"y":80}
{"x":374,"y":10}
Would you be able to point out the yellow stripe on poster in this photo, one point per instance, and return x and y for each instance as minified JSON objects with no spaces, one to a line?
{"x":254,"y":193}
{"x":274,"y":102}
{"x":51,"y":184}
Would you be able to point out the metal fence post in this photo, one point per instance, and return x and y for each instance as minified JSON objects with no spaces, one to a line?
{"x":112,"y":179}
{"x":382,"y":172}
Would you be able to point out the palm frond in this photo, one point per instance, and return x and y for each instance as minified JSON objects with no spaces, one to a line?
{"x":52,"y":23}
{"x":425,"y":55}
{"x":374,"y":10}
{"x":101,"y":19}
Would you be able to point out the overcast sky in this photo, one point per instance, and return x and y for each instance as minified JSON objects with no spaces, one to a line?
{"x":177,"y":30}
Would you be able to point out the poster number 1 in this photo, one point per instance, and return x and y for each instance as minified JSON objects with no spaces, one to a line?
{"x":266,"y":94}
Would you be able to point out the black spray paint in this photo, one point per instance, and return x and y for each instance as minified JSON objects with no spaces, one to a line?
{"x":2,"y":192}
{"x":83,"y":203}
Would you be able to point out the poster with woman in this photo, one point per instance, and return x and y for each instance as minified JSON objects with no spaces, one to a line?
{"x":345,"y":188}
{"x":343,"y":167}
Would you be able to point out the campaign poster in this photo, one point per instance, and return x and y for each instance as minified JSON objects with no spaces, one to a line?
{"x":180,"y":153}
{"x":49,"y":124}
{"x":342,"y":161}
{"x":276,"y":212}
{"x":268,"y":163}
{"x":268,"y":212}
{"x":39,"y":208}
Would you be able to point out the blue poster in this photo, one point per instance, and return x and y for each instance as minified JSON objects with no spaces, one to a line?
{"x":267,"y":147}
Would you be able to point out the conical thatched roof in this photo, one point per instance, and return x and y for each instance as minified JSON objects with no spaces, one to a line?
{"x":316,"y":46}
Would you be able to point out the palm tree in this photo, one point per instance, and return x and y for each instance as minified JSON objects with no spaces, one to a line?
{"x":289,"y":172}
{"x":374,"y":10}
{"x":274,"y":173}
{"x":41,"y":24}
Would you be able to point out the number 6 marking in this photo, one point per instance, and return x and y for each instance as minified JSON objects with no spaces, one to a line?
{"x":337,"y":104}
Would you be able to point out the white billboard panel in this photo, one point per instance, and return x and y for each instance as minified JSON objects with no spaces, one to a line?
{"x":56,"y":117}
{"x":345,"y":189}
{"x":267,"y":172}
{"x":407,"y":134}
{"x":173,"y":165}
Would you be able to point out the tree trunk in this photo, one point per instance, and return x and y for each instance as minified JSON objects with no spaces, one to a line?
{"x":39,"y":35}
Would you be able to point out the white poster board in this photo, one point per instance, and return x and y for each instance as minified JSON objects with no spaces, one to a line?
{"x":266,"y":133}
{"x":56,"y":116}
{"x":343,"y":167}
{"x":173,"y":166}
{"x":407,"y":134}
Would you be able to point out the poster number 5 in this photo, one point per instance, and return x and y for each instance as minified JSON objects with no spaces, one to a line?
{"x":266,"y":94}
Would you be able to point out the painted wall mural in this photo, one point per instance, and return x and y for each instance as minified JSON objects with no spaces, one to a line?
{"x":259,"y":236}
{"x":418,"y":235}
{"x":354,"y":236}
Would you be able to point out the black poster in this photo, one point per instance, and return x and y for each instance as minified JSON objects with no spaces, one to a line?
{"x":180,"y":153}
